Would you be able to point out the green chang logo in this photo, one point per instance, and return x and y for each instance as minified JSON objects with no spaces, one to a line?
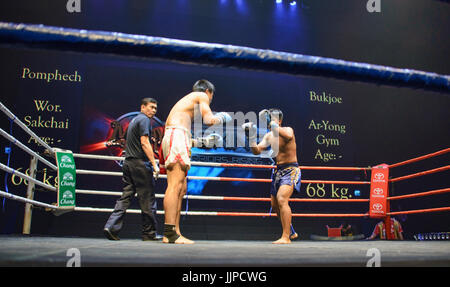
{"x":68,"y":176}
{"x":67,"y":198}
{"x":68,"y":180}
{"x":66,"y":162}
{"x":66,"y":159}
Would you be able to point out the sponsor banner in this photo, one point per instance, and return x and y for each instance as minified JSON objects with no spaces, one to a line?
{"x":379,"y":191}
{"x":66,"y":178}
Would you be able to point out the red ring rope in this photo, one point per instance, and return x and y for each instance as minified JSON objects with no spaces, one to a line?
{"x":426,"y":193}
{"x":420,"y":211}
{"x":237,"y":198}
{"x":420,"y":173}
{"x":420,"y":158}
{"x":420,"y":194}
{"x":293,"y":215}
{"x":270,"y":180}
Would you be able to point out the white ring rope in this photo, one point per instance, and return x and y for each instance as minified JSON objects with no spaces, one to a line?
{"x":12,"y":171}
{"x":10,"y":115}
{"x":27,"y":149}
{"x":96,"y":156}
{"x":138,"y":211}
{"x":26,"y":200}
{"x":119,"y":193}
{"x":98,"y":172}
{"x":26,"y":177}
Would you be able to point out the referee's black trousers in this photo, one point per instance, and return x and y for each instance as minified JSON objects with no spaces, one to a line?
{"x":137,"y":179}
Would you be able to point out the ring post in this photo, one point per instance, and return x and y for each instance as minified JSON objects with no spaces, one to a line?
{"x":30,"y":195}
{"x":379,"y":192}
{"x":66,"y":181}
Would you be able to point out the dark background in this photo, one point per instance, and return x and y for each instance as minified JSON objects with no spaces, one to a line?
{"x":383,"y":124}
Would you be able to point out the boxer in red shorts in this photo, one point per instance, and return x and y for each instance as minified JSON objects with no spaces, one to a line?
{"x":176,"y":147}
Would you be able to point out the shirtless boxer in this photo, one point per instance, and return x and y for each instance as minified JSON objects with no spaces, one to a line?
{"x":176,"y":147}
{"x":286,"y":177}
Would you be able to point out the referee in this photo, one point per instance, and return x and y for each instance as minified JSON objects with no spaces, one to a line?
{"x":139,"y":176}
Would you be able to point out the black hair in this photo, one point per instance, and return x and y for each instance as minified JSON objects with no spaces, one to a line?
{"x":203,"y":86}
{"x":146,"y":101}
{"x":276,"y":113}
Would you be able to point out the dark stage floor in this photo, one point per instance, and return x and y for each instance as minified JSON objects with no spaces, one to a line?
{"x":52,"y":251}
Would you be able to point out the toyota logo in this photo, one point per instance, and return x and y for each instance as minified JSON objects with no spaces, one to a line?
{"x":377,"y":206}
{"x":379,"y":176}
{"x":378,"y":191}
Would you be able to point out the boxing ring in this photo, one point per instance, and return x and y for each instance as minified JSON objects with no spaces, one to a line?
{"x":188,"y":52}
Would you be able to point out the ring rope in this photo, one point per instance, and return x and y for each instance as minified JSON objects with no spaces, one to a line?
{"x":10,"y":115}
{"x":26,"y":200}
{"x":444,"y":151}
{"x":293,"y":199}
{"x":26,"y":177}
{"x":439,"y":169}
{"x":219,"y":213}
{"x":294,"y":214}
{"x":26,"y":149}
{"x":97,"y":156}
{"x":428,"y":210}
{"x":420,"y":194}
{"x":217,"y":178}
{"x":190,"y":52}
{"x":138,"y":211}
{"x":98,"y":172}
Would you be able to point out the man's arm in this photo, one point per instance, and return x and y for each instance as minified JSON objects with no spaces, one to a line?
{"x":148,"y":150}
{"x":400,"y":231}
{"x":374,"y":233}
{"x":208,"y":117}
{"x":285,"y":132}
{"x":258,"y":148}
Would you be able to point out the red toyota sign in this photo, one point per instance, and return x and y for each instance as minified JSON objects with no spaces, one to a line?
{"x":379,"y":191}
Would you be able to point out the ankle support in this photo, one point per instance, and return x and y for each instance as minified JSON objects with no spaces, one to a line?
{"x":170,"y":233}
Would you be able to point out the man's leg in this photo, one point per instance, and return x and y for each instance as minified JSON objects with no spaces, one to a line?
{"x":144,"y":182}
{"x":180,"y":202}
{"x":274,"y":203}
{"x":176,"y":176}
{"x":115,"y":220}
{"x":285,"y":214}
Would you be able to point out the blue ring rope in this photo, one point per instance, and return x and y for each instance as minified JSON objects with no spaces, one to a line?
{"x":190,"y":52}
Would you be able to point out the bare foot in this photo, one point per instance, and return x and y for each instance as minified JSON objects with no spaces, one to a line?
{"x":180,"y":240}
{"x":282,"y":241}
{"x":293,"y":236}
{"x":183,"y":240}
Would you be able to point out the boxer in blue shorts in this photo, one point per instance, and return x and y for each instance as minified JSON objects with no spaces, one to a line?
{"x":286,"y":178}
{"x":286,"y":174}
